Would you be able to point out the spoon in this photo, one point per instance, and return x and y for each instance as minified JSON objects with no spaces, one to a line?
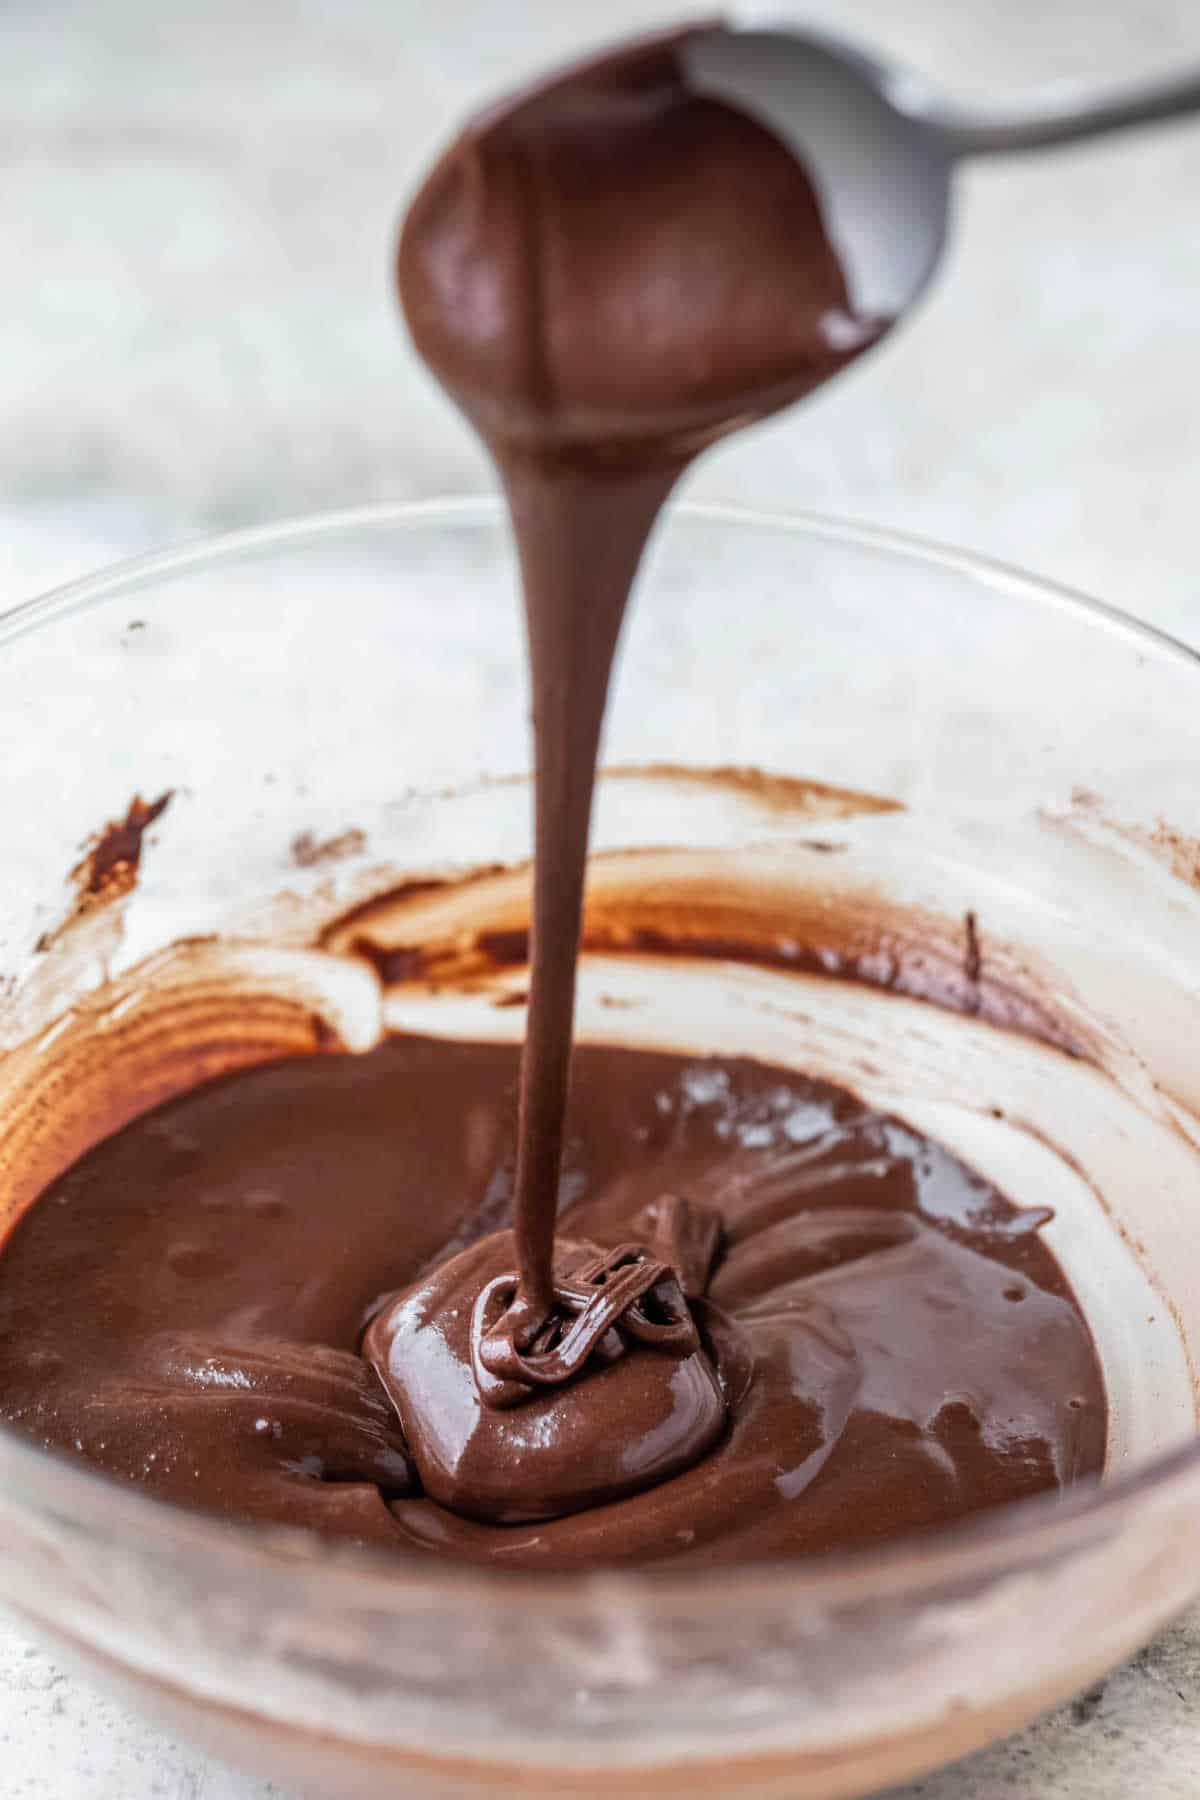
{"x":881,"y":147}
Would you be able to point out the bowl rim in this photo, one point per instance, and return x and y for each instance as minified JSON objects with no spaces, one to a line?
{"x":321,"y":1571}
{"x":489,"y":509}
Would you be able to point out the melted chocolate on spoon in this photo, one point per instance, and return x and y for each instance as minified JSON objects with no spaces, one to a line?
{"x":606,"y":274}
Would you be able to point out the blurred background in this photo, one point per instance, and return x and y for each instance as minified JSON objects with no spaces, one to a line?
{"x":197,"y":211}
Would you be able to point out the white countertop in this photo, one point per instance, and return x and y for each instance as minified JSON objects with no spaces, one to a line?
{"x":195,"y":207}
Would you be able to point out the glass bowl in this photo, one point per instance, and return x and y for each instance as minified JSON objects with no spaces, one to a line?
{"x":880,"y":737}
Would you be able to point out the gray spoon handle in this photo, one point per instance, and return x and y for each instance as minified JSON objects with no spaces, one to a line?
{"x":1066,"y":117}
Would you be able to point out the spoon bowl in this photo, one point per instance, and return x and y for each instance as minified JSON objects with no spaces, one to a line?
{"x":880,"y":166}
{"x":880,"y":145}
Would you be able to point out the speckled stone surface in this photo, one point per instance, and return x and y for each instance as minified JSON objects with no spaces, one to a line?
{"x":62,"y":1739}
{"x":195,"y":208}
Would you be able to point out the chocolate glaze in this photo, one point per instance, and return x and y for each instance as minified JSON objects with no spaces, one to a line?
{"x":646,"y":1417}
{"x":185,"y":1305}
{"x":754,"y":909}
{"x":606,"y":273}
{"x":111,"y":862}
